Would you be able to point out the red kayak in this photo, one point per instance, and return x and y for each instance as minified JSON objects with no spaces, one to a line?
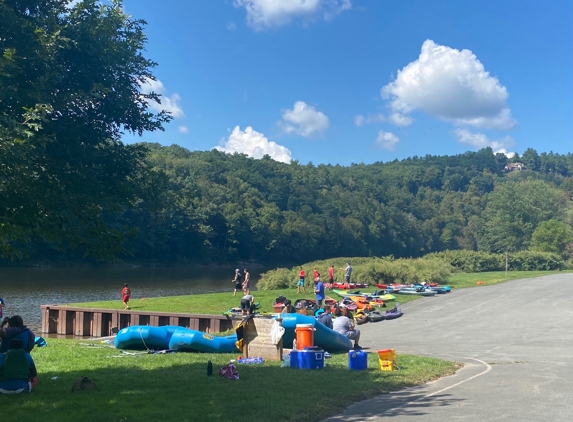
{"x":347,"y":286}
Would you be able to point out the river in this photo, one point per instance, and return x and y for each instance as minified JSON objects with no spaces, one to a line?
{"x":25,"y":289}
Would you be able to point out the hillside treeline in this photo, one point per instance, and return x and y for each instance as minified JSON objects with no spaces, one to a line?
{"x":212,"y":207}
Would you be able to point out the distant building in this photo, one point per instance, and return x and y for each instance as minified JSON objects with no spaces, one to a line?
{"x":515,"y":166}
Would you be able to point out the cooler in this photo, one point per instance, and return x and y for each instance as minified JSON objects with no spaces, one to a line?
{"x":304,"y":336}
{"x":307,"y":359}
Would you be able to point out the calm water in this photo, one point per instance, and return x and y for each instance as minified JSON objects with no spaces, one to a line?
{"x":25,"y":289}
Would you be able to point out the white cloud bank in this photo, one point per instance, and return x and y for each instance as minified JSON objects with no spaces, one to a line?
{"x":386,"y":140}
{"x":450,"y":85}
{"x":304,"y":120}
{"x":170,"y":104}
{"x":479,"y":141}
{"x":263,"y":14}
{"x":254,"y":144}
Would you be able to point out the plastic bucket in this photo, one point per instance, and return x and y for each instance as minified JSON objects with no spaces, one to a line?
{"x":357,"y":360}
{"x":304,"y":336}
{"x":387,"y":359}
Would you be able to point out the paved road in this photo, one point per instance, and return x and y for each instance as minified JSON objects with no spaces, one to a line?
{"x":518,"y":361}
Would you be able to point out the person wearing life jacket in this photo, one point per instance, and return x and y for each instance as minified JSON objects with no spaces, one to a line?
{"x":17,"y":369}
{"x":15,"y":329}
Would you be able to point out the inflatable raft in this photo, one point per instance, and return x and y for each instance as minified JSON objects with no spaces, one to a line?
{"x":144,"y":337}
{"x":324,"y":337}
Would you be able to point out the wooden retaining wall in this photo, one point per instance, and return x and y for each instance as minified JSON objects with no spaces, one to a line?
{"x":96,"y":322}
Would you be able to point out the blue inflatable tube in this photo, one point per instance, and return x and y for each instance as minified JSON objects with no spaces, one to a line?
{"x":324,"y":337}
{"x":185,"y":340}
{"x":143,"y":337}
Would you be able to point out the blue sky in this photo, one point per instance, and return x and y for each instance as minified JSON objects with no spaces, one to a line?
{"x":356,"y":81}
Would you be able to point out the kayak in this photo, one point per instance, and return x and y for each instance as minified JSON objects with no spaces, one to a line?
{"x":376,"y":316}
{"x":417,"y":291}
{"x":349,"y":285}
{"x":442,"y":289}
{"x":374,"y":295}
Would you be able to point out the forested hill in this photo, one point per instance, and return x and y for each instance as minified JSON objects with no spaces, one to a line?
{"x":213,"y":207}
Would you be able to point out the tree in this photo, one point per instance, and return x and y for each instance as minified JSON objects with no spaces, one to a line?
{"x":552,"y":236}
{"x":69,"y":86}
{"x":514,"y":210}
{"x":531,"y":159}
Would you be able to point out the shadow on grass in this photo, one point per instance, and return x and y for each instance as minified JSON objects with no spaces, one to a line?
{"x":175,"y":387}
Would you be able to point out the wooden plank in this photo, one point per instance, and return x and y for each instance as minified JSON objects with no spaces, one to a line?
{"x":62,"y":321}
{"x":79,"y":330}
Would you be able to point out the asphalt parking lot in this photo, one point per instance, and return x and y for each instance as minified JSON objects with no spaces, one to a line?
{"x":515,"y":340}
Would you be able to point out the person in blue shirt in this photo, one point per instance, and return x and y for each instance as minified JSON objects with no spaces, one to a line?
{"x":16,"y":329}
{"x":18,"y":372}
{"x":319,"y":291}
{"x":325,"y":318}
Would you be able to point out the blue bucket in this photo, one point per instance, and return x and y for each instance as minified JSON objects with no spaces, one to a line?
{"x":357,"y":360}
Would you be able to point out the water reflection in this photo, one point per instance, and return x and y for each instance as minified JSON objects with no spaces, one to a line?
{"x":25,"y":289}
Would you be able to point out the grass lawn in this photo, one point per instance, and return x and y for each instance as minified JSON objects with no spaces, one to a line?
{"x":217,"y":303}
{"x":175,"y":387}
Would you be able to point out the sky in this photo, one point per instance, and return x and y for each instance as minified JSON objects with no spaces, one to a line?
{"x":361,"y":81}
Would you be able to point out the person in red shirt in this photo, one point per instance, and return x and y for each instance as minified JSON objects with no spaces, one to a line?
{"x":331,"y":276}
{"x":125,"y":295}
{"x":315,"y":274}
{"x":301,"y":276}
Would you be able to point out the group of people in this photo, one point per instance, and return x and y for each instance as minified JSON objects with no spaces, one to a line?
{"x":17,"y":368}
{"x":343,"y":323}
{"x":316,"y":277}
{"x":245,"y":285}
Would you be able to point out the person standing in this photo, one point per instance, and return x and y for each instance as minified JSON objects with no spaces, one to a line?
{"x":326,"y":317}
{"x":315,"y":274}
{"x":2,"y":304}
{"x":347,"y":273}
{"x":247,"y":302}
{"x":125,"y":295}
{"x":331,"y":277}
{"x":319,"y":291}
{"x":247,"y":283}
{"x":301,"y":276}
{"x":238,"y":280}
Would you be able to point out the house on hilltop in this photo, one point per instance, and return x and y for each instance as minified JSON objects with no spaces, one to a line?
{"x":515,"y":166}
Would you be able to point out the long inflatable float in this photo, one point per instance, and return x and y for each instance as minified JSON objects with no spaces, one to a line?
{"x":143,"y":337}
{"x":324,"y":337}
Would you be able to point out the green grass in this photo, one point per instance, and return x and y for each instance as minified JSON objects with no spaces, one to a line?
{"x":217,"y":303}
{"x":174,"y":387}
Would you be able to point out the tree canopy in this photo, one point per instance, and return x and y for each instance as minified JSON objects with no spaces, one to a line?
{"x":69,"y":86}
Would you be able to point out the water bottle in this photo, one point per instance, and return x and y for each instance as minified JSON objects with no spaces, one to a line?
{"x":209,"y":369}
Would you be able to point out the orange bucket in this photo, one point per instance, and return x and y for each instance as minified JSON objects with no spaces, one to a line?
{"x":304,"y":336}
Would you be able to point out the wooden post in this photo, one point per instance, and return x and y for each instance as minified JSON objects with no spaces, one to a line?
{"x":506,"y":264}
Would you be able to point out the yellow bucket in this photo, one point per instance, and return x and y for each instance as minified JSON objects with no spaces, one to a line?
{"x":386,"y":365}
{"x":387,"y":359}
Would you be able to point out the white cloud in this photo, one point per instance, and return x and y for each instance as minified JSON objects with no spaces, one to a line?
{"x":254,"y":144}
{"x":479,"y":141}
{"x":394,"y":118}
{"x":231,"y":26}
{"x":183,"y":129}
{"x":387,"y":140}
{"x":170,"y":104}
{"x":263,"y":14}
{"x":451,"y":85}
{"x":304,"y":120}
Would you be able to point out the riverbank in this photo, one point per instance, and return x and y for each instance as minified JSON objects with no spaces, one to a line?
{"x":175,"y":386}
{"x":217,"y":303}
